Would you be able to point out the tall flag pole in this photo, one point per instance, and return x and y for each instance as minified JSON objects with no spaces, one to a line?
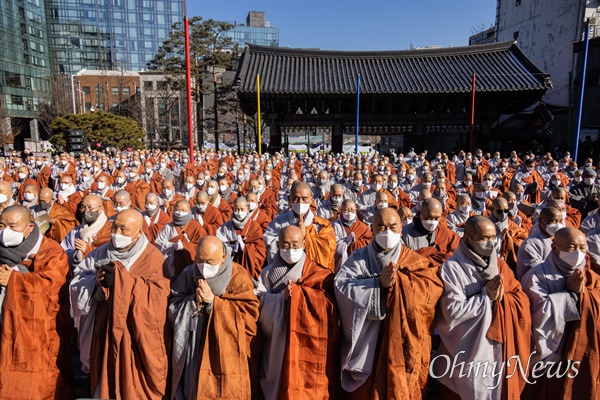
{"x":471,"y":126}
{"x":586,"y":45}
{"x":258,"y":113}
{"x":188,"y":79}
{"x":357,"y":113}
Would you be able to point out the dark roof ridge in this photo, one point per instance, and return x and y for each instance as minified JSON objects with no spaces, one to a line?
{"x":434,"y":52}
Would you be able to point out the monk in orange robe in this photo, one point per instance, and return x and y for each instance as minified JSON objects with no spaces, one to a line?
{"x":509,"y":235}
{"x":62,"y":221}
{"x":217,"y":201}
{"x":428,"y":236}
{"x":208,"y":215}
{"x":138,"y":189}
{"x":256,"y":213}
{"x":43,"y":176}
{"x":216,"y":297}
{"x":154,"y":179}
{"x":67,"y":196}
{"x":377,"y":291}
{"x":318,"y":233}
{"x":23,"y":180}
{"x":351,"y":233}
{"x":119,"y":298}
{"x":94,"y":231}
{"x":178,"y":239}
{"x":33,"y":271}
{"x":169,"y":197}
{"x":155,"y":218}
{"x":299,"y":324}
{"x":244,"y":239}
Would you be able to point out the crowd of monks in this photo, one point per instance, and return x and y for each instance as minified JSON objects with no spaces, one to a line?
{"x":229,"y":276}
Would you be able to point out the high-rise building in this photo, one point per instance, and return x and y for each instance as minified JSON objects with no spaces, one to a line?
{"x":108,"y":34}
{"x":256,"y":30}
{"x":24,"y":64}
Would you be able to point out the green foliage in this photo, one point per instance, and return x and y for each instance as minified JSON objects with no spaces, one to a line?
{"x":100,"y":127}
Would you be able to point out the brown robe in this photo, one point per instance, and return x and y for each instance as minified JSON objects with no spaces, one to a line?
{"x":35,"y":341}
{"x":231,"y":328}
{"x":261,"y":217}
{"x":43,"y":177}
{"x":311,"y":366}
{"x":189,"y":234}
{"x":213,"y":218}
{"x":320,"y":247}
{"x":128,"y":347}
{"x":102,"y":237}
{"x":446,"y":242}
{"x":155,"y":228}
{"x":138,"y":191}
{"x":62,"y":222}
{"x":512,"y":237}
{"x":362,"y":235}
{"x":28,"y":181}
{"x":254,"y":254}
{"x":401,"y":365}
{"x":72,"y":203}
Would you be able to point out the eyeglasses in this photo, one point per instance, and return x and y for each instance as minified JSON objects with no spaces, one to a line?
{"x":88,"y":208}
{"x":503,"y":211}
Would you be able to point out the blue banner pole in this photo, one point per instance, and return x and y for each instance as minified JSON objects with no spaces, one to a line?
{"x":357,"y":113}
{"x":582,"y":87}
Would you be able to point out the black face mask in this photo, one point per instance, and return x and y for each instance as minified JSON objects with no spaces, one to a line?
{"x":90,"y":217}
{"x":44,"y":205}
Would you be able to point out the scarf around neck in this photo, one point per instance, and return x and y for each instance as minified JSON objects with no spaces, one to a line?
{"x":12,"y":256}
{"x":487,"y":267}
{"x":500,"y":225}
{"x":218,"y":283}
{"x":378,"y":255}
{"x":281,"y":273}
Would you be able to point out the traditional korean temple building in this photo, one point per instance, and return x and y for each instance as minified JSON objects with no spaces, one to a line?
{"x":421,"y":97}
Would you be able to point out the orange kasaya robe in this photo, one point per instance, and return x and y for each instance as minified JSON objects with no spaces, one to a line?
{"x":362,"y":235}
{"x":511,"y":326}
{"x":512,"y":237}
{"x":102,"y":237}
{"x":254,"y":254}
{"x":138,"y":190}
{"x":573,"y":219}
{"x":311,"y":368}
{"x":268,"y":203}
{"x":107,"y":203}
{"x":43,"y":177}
{"x":261,"y":217}
{"x":224,"y":208}
{"x":129,"y":344}
{"x":213,"y":219}
{"x":156,"y":181}
{"x":35,"y":342}
{"x":401,"y":364}
{"x":536,"y":196}
{"x":72,"y":203}
{"x":170,"y":205}
{"x":320,"y":247}
{"x":155,"y":227}
{"x":482,"y":169}
{"x":28,"y":181}
{"x":230,"y":330}
{"x":446,"y":242}
{"x":189,"y":234}
{"x":62,"y":222}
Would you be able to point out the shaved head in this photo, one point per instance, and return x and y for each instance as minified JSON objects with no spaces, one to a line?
{"x":569,"y":239}
{"x":182,"y":205}
{"x":93,"y":201}
{"x":386,"y":218}
{"x":210,"y":250}
{"x":46,"y":194}
{"x":477,"y":225}
{"x":17,"y":213}
{"x":290,"y":234}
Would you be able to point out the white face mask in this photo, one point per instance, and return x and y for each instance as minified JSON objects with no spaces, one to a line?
{"x":120,"y":241}
{"x":101,"y":185}
{"x":291,"y":256}
{"x":589,"y":181}
{"x":207,"y":270}
{"x":387,"y":239}
{"x":479,"y":195}
{"x":222,"y":188}
{"x":376,"y":186}
{"x":407,"y":221}
{"x":464,"y":209}
{"x":11,"y":238}
{"x":240,"y":215}
{"x":556,"y":183}
{"x":252,"y":205}
{"x":168,"y":192}
{"x":121,"y":208}
{"x":200,"y":182}
{"x":202,"y":207}
{"x":382,"y":205}
{"x":574,"y":258}
{"x":189,"y":186}
{"x":426,"y":185}
{"x":577,"y":179}
{"x":553,"y":228}
{"x":430,"y":225}
{"x":488,"y":183}
{"x":300,"y":208}
{"x":22,"y":175}
{"x":65,"y":186}
{"x":181,"y":213}
{"x":120,"y":180}
{"x":211,"y":191}
{"x":336,"y":200}
{"x":29,"y":196}
{"x":348,"y":216}
{"x":151,"y":207}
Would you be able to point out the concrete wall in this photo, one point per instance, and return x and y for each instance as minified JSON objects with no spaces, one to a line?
{"x":546,"y":32}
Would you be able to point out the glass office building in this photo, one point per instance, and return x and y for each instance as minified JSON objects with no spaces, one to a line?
{"x":256,"y":31}
{"x":24,"y":60}
{"x":108,"y":34}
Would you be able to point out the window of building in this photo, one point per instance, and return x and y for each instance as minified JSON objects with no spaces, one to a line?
{"x":16,"y":100}
{"x":516,"y":35}
{"x":125,"y":91}
{"x":162,"y":85}
{"x":114,"y":91}
{"x":517,"y":2}
{"x":115,"y":105}
{"x":86,"y":89}
{"x":12,"y":79}
{"x":148,"y":85}
{"x":88,"y":105}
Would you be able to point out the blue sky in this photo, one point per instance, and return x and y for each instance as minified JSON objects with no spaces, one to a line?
{"x":360,"y":25}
